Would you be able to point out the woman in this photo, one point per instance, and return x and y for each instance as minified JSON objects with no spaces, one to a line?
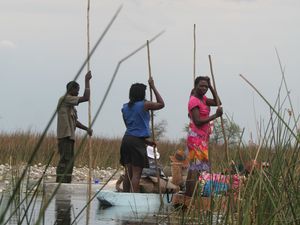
{"x":136,"y":117}
{"x":199,"y":129}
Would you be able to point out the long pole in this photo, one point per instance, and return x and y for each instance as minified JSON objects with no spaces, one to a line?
{"x":218,"y":104}
{"x":89,"y":190}
{"x":194,"y":61}
{"x":222,"y":122}
{"x":152,"y":128}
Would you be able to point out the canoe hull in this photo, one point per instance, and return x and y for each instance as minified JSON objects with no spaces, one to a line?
{"x":143,"y":202}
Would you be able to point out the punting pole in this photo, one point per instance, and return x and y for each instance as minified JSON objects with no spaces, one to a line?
{"x":152,"y":128}
{"x":194,"y":63}
{"x":89,"y":188}
{"x":222,"y":122}
{"x":218,"y":104}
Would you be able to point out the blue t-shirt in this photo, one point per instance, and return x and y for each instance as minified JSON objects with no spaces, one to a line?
{"x":136,"y":119}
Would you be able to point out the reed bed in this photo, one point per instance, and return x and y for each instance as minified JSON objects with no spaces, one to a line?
{"x":268,"y":196}
{"x":17,"y":147}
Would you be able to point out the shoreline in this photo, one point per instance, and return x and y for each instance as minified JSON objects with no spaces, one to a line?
{"x":79,"y":176}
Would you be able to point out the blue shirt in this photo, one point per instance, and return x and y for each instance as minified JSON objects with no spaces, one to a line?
{"x":136,"y":119}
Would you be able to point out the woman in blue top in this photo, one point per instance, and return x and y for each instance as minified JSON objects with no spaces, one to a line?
{"x":136,"y":117}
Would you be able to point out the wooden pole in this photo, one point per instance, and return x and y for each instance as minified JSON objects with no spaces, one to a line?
{"x":152,"y":129}
{"x":194,"y":64}
{"x":89,"y":189}
{"x":218,"y":104}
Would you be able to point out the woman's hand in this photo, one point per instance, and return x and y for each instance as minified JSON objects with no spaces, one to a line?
{"x":151,"y":82}
{"x":219,"y":112}
{"x":151,"y":143}
{"x":208,"y":82}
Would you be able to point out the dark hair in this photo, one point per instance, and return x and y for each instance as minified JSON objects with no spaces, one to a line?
{"x":137,"y":92}
{"x":197,"y":80}
{"x":71,"y":85}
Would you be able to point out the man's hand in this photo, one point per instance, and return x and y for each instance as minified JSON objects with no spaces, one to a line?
{"x":88,"y":76}
{"x":89,"y":131}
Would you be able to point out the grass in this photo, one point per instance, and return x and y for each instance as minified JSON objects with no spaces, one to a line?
{"x":268,"y":197}
{"x":17,"y":147}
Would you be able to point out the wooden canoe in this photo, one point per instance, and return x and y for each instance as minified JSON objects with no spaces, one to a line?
{"x":150,"y":202}
{"x":144,"y":202}
{"x":200,"y":203}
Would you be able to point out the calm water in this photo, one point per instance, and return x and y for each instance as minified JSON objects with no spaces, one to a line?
{"x":64,"y":208}
{"x":69,"y":202}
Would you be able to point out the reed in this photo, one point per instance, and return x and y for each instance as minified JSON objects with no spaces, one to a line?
{"x":17,"y":147}
{"x":268,"y":197}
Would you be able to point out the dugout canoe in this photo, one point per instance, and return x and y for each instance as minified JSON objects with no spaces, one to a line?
{"x":143,"y":202}
{"x":200,"y":203}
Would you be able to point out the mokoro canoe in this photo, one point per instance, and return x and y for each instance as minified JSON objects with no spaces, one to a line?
{"x":141,"y":201}
{"x":199,"y":202}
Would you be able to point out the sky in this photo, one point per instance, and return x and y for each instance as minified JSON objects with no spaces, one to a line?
{"x":44,"y":43}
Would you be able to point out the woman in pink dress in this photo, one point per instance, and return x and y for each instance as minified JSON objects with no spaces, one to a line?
{"x":199,"y":129}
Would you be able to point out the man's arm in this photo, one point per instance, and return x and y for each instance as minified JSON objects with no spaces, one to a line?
{"x":81,"y":126}
{"x":86,"y":94}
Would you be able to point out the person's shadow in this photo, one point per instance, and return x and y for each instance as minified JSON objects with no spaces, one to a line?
{"x":63,"y":209}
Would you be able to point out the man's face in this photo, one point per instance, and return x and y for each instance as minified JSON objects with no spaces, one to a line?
{"x":75,"y":91}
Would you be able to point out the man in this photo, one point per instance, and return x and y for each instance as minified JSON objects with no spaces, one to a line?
{"x":66,"y":125}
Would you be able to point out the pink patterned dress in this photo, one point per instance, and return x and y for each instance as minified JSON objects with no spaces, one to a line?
{"x":198,"y":137}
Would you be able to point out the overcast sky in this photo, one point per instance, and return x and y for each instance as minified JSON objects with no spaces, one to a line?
{"x":43,"y":44}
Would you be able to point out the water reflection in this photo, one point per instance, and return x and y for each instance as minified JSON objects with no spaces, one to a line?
{"x":63,"y":209}
{"x":137,"y":223}
{"x":69,"y":202}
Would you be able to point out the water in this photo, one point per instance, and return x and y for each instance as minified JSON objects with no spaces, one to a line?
{"x":67,"y":208}
{"x":66,"y":205}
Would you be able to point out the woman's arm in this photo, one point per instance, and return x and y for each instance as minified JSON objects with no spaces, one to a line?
{"x":216,"y":100}
{"x":159,"y":104}
{"x":198,"y":121}
{"x":124,"y":121}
